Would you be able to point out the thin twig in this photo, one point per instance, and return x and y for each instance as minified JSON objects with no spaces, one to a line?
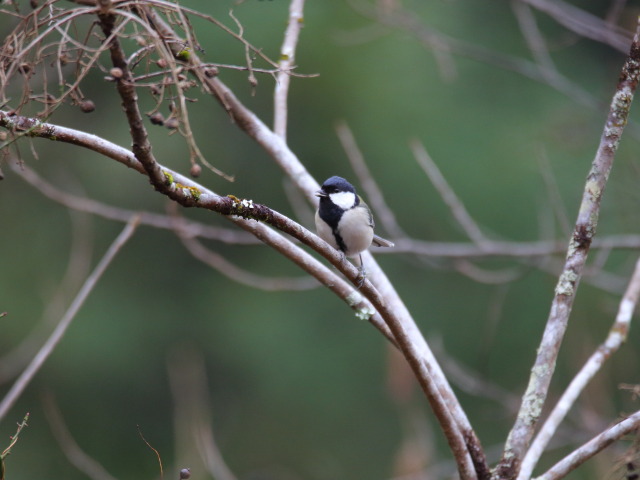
{"x":450,"y":198}
{"x":583,"y":23}
{"x":13,"y":361}
{"x":434,"y":40}
{"x":374,"y":194}
{"x":76,"y":456}
{"x":617,"y":336}
{"x":591,"y":448}
{"x":188,"y":381}
{"x":533,"y":37}
{"x":286,"y":63}
{"x":154,"y":450}
{"x":554,"y":193}
{"x":585,"y":228}
{"x":454,"y":250}
{"x":54,"y":339}
{"x":190,"y":228}
{"x":235,"y":273}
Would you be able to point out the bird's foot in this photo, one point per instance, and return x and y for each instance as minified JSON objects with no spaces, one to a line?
{"x":362,"y":276}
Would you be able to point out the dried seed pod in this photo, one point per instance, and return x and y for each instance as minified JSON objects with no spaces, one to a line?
{"x":172,"y":123}
{"x":156,"y":118}
{"x":87,"y":106}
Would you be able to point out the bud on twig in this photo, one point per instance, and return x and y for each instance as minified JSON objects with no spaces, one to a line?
{"x":196,"y":170}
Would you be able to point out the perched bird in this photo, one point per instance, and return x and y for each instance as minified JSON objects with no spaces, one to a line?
{"x":344,"y":221}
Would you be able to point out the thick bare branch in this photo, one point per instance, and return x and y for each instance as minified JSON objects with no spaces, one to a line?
{"x":404,"y":332}
{"x":584,"y":230}
{"x":407,"y":335}
{"x":141,"y":146}
{"x":617,"y":336}
{"x":243,"y":213}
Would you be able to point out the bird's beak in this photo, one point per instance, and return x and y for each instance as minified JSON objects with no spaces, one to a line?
{"x":320,"y":193}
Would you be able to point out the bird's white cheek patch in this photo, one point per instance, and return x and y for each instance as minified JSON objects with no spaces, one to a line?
{"x":344,"y":200}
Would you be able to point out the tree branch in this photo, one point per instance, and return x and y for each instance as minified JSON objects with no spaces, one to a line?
{"x":617,"y":336}
{"x":592,"y":447}
{"x":404,"y":333}
{"x":584,"y":230}
{"x":243,"y":213}
{"x":287,"y":59}
{"x":47,"y":348}
{"x":408,"y":337}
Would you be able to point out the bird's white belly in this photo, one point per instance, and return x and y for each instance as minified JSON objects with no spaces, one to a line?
{"x":357,"y":241}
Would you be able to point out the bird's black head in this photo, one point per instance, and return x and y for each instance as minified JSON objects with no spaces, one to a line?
{"x":335,"y":184}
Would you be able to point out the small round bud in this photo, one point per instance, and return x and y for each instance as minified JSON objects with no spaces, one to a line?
{"x":185,"y":474}
{"x":156,"y":118}
{"x":196,"y":170}
{"x":116,"y":72}
{"x":87,"y":106}
{"x":172,"y":123}
{"x":162,"y":63}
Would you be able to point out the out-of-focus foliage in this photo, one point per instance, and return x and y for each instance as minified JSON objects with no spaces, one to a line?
{"x":298,"y":387}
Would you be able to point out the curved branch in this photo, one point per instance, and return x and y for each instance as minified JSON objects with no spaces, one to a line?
{"x":392,"y":320}
{"x":454,"y":421}
{"x":191,"y":193}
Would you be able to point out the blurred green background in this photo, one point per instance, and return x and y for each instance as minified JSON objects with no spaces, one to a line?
{"x":297,"y":387}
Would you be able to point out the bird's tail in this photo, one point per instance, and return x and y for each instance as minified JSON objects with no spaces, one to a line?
{"x":381,"y":242}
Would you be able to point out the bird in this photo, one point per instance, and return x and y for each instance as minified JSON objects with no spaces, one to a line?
{"x":344,"y":221}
